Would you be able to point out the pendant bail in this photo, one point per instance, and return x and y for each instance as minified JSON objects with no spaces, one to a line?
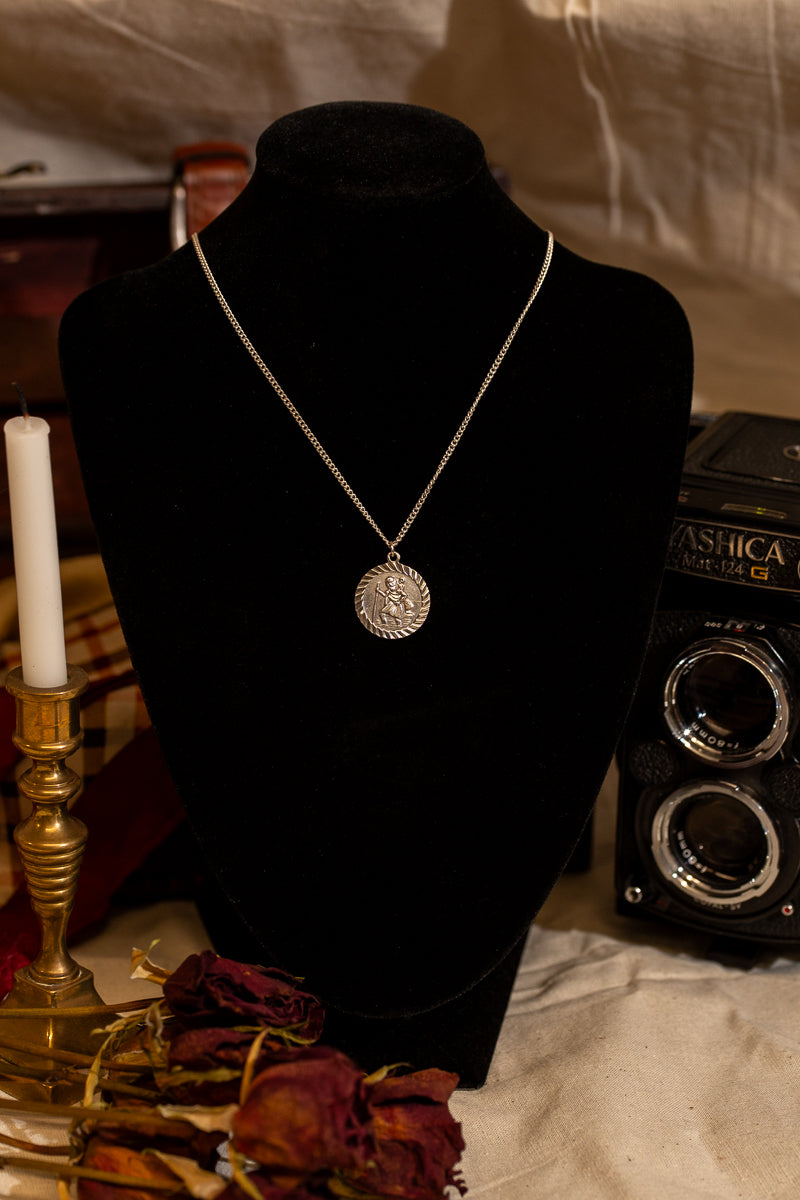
{"x":393,"y":556}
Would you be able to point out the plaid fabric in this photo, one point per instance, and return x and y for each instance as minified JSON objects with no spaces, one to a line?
{"x":112,"y":709}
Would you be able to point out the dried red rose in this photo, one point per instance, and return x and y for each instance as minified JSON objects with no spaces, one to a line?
{"x":170,"y":1136}
{"x":205,"y":1051}
{"x":209,"y":1047}
{"x":267,"y":1189}
{"x":312,"y":1122}
{"x":306,"y":1115}
{"x":121,"y":1160}
{"x":418,"y":1143}
{"x":209,"y":990}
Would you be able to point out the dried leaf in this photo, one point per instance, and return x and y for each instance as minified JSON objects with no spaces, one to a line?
{"x":93,"y":1075}
{"x":203,"y":1185}
{"x":140,"y":1041}
{"x":143,"y":967}
{"x":238,"y":1162}
{"x":250,"y":1065}
{"x":154,"y":1021}
{"x":383,"y":1073}
{"x":202,"y":1116}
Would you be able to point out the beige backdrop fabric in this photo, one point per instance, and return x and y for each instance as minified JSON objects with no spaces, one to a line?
{"x":659,"y":134}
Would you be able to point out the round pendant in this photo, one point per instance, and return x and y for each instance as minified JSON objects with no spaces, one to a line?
{"x":392,"y":600}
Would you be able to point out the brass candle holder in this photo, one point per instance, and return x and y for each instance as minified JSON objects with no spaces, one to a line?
{"x":50,"y":843}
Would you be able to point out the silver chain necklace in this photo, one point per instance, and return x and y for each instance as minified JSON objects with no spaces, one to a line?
{"x":392,"y":600}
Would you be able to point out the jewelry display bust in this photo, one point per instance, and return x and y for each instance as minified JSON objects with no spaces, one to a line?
{"x":383,"y":817}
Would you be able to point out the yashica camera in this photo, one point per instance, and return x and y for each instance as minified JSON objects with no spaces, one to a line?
{"x":708,"y":831}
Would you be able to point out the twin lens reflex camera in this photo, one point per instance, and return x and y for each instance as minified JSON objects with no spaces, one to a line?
{"x":708,"y":831}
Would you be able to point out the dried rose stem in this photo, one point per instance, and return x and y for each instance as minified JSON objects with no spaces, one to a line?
{"x":34,"y":1147}
{"x":78,"y":1113}
{"x":65,"y":1171}
{"x":67,"y":1076}
{"x":87,"y":1010}
{"x":70,"y":1057}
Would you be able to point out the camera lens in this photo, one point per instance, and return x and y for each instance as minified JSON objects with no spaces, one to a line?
{"x":716,"y":842}
{"x":733,"y":696}
{"x":727,"y":702}
{"x":725,"y":836}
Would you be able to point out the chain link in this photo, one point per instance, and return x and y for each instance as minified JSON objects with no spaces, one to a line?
{"x":315,"y":442}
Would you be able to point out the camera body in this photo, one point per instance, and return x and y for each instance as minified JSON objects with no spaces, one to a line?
{"x":708,"y":827}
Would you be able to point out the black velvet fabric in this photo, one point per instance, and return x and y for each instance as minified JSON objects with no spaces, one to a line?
{"x":384,"y":817}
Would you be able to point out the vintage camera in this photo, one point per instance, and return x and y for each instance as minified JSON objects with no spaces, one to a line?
{"x":708,"y":831}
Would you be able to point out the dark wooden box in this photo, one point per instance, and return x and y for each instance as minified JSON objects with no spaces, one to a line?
{"x":54,"y":243}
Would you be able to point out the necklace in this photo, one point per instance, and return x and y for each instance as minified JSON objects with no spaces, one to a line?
{"x":392,"y":600}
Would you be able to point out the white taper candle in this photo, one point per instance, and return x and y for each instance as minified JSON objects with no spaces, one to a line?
{"x":33,"y":529}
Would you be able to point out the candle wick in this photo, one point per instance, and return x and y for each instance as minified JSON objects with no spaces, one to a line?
{"x":23,"y":403}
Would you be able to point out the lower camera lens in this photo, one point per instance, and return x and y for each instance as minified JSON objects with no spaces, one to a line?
{"x":727,"y":702}
{"x":716,"y":842}
{"x":725,"y":836}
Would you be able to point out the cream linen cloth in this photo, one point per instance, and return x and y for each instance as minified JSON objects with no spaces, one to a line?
{"x":658,"y":134}
{"x":628,"y":1067}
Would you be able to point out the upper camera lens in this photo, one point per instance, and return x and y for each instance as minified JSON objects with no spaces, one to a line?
{"x":732,"y":696}
{"x":727,"y":702}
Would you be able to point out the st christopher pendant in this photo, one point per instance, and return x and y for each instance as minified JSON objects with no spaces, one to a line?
{"x":392,"y":600}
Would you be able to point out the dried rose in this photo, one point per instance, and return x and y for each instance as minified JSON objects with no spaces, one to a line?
{"x":306,"y":1115}
{"x":155,"y":1133}
{"x":122,"y":1160}
{"x":209,"y":990}
{"x":418,"y":1143}
{"x":267,"y":1189}
{"x":202,"y":1055}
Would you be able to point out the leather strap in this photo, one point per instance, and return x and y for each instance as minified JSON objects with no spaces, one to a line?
{"x":208,"y":176}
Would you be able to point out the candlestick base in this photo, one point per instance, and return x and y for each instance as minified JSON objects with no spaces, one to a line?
{"x":78,"y":1034}
{"x":50,"y":843}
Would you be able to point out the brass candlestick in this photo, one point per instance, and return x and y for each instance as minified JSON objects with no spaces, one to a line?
{"x":50,"y":843}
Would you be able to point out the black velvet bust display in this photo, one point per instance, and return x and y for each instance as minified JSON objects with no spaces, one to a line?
{"x":384,"y":818}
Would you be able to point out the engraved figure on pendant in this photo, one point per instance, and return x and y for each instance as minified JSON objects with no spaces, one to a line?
{"x":392,"y":606}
